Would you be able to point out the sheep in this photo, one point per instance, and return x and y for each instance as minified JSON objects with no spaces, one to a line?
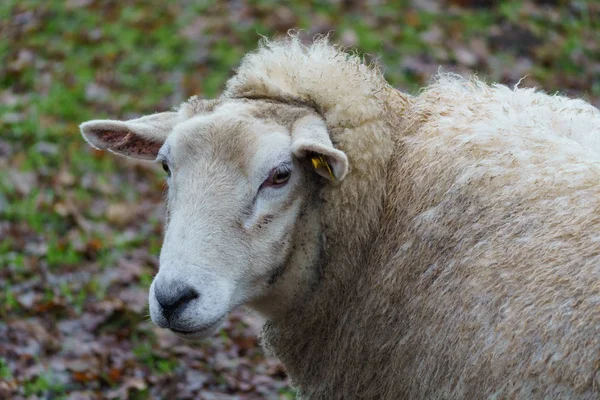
{"x":444,"y":245}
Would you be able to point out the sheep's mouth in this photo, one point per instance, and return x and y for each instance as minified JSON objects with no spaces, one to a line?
{"x":200,"y":332}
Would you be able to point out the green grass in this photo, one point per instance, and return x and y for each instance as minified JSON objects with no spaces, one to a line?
{"x":44,"y":385}
{"x":145,"y":355}
{"x":5,"y":371}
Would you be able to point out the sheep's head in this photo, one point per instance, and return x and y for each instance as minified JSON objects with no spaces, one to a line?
{"x":243,"y":209}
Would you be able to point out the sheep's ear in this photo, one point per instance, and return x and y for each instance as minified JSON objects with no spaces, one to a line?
{"x":137,"y":138}
{"x":310,"y":140}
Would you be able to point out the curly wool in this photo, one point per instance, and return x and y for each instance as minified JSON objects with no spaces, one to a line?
{"x":462,"y":254}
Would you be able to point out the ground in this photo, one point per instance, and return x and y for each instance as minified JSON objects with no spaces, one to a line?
{"x":80,"y":230}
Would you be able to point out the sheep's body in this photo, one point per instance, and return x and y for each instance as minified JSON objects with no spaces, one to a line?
{"x":463,"y":249}
{"x":458,"y":258}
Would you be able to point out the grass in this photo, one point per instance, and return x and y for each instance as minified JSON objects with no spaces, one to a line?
{"x":44,"y":385}
{"x":5,"y":372}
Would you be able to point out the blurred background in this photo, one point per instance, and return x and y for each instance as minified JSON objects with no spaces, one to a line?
{"x":80,"y":230}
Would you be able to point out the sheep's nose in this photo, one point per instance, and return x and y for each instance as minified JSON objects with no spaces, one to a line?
{"x":174,"y":297}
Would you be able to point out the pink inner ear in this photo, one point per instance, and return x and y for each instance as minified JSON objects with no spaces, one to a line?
{"x":112,"y":138}
{"x":134,"y":145}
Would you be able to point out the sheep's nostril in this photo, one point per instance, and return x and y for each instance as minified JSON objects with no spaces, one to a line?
{"x":174,"y":297}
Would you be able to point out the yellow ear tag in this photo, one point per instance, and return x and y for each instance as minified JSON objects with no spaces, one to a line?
{"x":320,"y":162}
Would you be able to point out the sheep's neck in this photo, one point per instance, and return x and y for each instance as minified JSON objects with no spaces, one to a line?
{"x":311,"y":337}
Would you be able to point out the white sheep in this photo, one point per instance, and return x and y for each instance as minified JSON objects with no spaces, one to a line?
{"x":440,"y":246}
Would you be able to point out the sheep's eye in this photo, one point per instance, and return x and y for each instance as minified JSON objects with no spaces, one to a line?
{"x":278,"y":177}
{"x":165,"y":166}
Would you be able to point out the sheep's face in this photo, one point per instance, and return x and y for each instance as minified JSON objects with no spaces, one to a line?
{"x":243,"y":213}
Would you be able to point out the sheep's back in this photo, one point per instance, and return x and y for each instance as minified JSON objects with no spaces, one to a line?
{"x":496,"y":248}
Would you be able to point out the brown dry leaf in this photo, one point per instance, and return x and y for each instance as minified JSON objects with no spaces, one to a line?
{"x":115,"y":374}
{"x":84,"y":376}
{"x":65,"y":177}
{"x":128,"y":384}
{"x":120,"y":213}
